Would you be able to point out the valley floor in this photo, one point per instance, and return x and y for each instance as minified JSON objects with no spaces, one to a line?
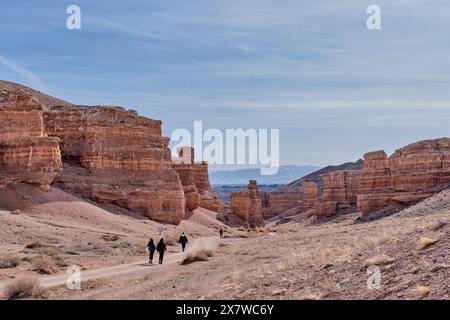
{"x":297,"y":260}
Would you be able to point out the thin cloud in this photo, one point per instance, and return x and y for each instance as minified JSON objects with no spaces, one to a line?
{"x":30,"y":76}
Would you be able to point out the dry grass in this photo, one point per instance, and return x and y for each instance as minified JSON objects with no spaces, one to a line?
{"x":306,"y":297}
{"x":36,"y":245}
{"x":421,"y":292}
{"x":44,"y":265}
{"x":424,"y":243}
{"x":379,"y":260}
{"x":9,"y":262}
{"x":288,"y":264}
{"x":201,"y":255}
{"x":21,"y":288}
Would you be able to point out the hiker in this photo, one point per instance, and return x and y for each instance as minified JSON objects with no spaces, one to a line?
{"x":183,"y":240}
{"x":161,"y":248}
{"x":221,"y":233}
{"x":151,"y":250}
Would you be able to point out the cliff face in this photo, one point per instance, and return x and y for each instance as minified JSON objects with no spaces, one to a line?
{"x":27,"y":154}
{"x":411,"y":174}
{"x":185,"y":167}
{"x":195,"y":179}
{"x":339,"y":192}
{"x":208,"y":199}
{"x":115,"y":156}
{"x":246,"y":204}
{"x":300,"y":194}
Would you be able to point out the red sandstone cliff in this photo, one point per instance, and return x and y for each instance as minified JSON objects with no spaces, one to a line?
{"x":411,"y":174}
{"x":116,"y":156}
{"x":246,"y":204}
{"x":27,"y":154}
{"x":195,"y":179}
{"x":339,"y":193}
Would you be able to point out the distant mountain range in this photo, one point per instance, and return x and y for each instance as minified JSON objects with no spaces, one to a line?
{"x":286,"y":174}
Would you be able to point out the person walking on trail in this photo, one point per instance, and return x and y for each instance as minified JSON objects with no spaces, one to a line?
{"x":221,"y":233}
{"x":151,"y":250}
{"x":183,"y":240}
{"x":161,"y":248}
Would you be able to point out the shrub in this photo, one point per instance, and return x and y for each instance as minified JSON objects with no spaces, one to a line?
{"x":196,"y":256}
{"x":425,"y":243}
{"x":379,"y":260}
{"x":421,"y":292}
{"x":9,"y":262}
{"x":36,"y":245}
{"x":21,"y":288}
{"x":44,"y":265}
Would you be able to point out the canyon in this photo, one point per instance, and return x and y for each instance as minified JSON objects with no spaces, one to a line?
{"x":118,"y":158}
{"x":379,"y":183}
{"x":107,"y":154}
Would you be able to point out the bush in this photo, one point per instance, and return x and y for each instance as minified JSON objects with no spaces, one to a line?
{"x":44,"y":265}
{"x":424,"y":243}
{"x":196,"y":256}
{"x":36,"y":245}
{"x":21,"y":288}
{"x":9,"y":262}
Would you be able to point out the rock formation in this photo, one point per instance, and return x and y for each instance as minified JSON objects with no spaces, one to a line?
{"x":195,"y":179}
{"x":300,"y":194}
{"x":27,"y":154}
{"x":309,"y":197}
{"x":246,"y":204}
{"x":411,"y":174}
{"x":339,"y":193}
{"x":115,"y":156}
{"x":208,"y":199}
{"x":185,"y":167}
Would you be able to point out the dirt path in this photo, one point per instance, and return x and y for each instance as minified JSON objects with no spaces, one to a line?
{"x":210,"y":243}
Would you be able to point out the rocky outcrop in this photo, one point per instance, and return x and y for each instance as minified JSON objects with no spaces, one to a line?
{"x":309,"y":197}
{"x":339,"y":194}
{"x":246,"y":204}
{"x":115,"y":156}
{"x":195,"y":179}
{"x":184,"y":165}
{"x":27,"y":154}
{"x":300,"y":194}
{"x":208,"y":199}
{"x":411,"y":174}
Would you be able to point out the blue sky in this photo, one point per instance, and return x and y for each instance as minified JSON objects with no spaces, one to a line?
{"x":310,"y":68}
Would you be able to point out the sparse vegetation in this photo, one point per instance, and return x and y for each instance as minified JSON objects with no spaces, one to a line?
{"x":306,"y":297}
{"x":9,"y":262}
{"x":21,"y":288}
{"x":44,"y":265}
{"x":424,"y":243}
{"x":201,"y":255}
{"x":36,"y":245}
{"x":379,"y":260}
{"x":421,"y":292}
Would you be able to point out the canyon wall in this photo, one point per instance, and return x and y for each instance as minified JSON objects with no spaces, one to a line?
{"x":246,"y":204}
{"x":411,"y":174}
{"x":27,"y":154}
{"x":115,"y":156}
{"x":339,"y":194}
{"x":184,"y":165}
{"x":195,"y":179}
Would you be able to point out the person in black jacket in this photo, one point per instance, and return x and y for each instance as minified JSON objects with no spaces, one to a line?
{"x":151,"y":250}
{"x":183,"y":240}
{"x":161,"y":248}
